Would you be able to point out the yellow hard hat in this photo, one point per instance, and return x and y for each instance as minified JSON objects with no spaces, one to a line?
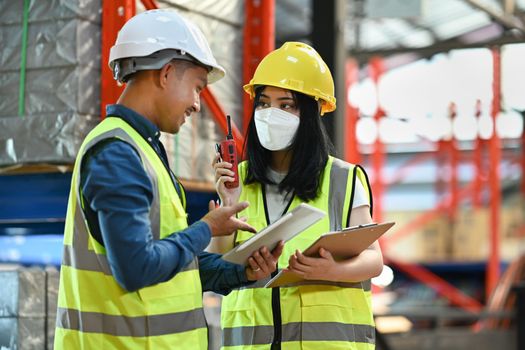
{"x":296,"y":66}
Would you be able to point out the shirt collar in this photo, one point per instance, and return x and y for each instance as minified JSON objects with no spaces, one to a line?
{"x":141,"y":124}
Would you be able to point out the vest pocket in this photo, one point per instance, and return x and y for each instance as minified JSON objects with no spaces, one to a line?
{"x":178,"y":291}
{"x":331,"y":313}
{"x":180,"y":216}
{"x":238,"y":300}
{"x":238,"y":318}
{"x":314,"y":295}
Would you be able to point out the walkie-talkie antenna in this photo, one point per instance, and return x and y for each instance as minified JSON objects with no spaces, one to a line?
{"x":229,"y":136}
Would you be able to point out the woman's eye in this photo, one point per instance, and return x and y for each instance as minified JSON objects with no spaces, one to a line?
{"x":262,"y":105}
{"x":287,"y":106}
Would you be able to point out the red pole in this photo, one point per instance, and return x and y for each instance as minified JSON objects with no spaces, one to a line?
{"x":523,"y":156}
{"x":478,"y":163}
{"x":441,"y":162}
{"x":259,"y":40}
{"x":114,"y":14}
{"x":220,"y":117}
{"x":444,"y":288}
{"x":378,"y":156}
{"x":149,"y":4}
{"x":493,"y":268}
{"x":454,"y":160}
{"x":352,"y":154}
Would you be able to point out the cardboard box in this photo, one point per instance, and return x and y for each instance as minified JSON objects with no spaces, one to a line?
{"x":429,"y":242}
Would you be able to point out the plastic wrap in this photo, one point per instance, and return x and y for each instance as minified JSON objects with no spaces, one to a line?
{"x":52,"y":90}
{"x":230,"y":11}
{"x":22,"y":308}
{"x":23,"y":293}
{"x":62,"y":79}
{"x":54,"y":43}
{"x":11,"y":11}
{"x":221,"y":23}
{"x":52,"y":138}
{"x":53,"y":280}
{"x":27,"y":333}
{"x":191,"y":151}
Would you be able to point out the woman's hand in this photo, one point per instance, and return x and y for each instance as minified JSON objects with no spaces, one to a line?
{"x":262,"y":263}
{"x":223,"y":173}
{"x":321,"y":268}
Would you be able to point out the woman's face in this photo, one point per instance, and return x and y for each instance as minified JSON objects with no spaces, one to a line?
{"x":278,"y":98}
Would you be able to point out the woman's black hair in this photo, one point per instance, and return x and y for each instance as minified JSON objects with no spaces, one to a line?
{"x":310,"y":149}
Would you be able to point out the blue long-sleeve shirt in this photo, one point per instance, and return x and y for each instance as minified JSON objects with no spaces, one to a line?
{"x":118,"y":194}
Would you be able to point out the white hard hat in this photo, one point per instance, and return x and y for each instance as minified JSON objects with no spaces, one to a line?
{"x":153,"y":38}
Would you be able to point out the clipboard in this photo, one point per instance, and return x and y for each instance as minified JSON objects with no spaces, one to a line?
{"x":285,"y":228}
{"x":342,"y":245}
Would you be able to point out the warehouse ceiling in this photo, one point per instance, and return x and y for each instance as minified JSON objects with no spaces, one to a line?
{"x":406,"y":30}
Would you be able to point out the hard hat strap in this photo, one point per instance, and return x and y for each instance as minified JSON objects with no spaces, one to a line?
{"x":123,"y":68}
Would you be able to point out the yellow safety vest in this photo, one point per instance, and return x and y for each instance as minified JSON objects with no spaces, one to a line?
{"x":94,"y":312}
{"x":332,"y":315}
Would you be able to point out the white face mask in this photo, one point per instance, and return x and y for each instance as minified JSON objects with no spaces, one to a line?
{"x":275,"y":128}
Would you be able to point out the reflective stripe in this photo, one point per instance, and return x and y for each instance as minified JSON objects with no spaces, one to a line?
{"x":329,"y":331}
{"x":365,"y":285}
{"x":85,"y":259}
{"x":337,"y":193}
{"x":139,"y":326}
{"x":91,"y":261}
{"x":154,"y":212}
{"x":238,"y":336}
{"x":297,"y":331}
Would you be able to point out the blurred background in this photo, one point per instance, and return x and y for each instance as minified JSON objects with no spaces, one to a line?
{"x":430,"y":101}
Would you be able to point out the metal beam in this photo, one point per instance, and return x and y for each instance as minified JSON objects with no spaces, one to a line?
{"x":114,"y":14}
{"x":414,"y":23}
{"x":506,"y":19}
{"x":328,"y":40}
{"x":493,"y":266}
{"x":426,"y":52}
{"x":441,"y":286}
{"x":259,"y":40}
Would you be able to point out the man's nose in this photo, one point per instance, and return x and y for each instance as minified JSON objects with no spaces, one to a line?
{"x":197,"y":104}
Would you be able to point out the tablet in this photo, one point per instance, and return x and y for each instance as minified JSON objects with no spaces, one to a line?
{"x":285,"y":228}
{"x":342,"y":245}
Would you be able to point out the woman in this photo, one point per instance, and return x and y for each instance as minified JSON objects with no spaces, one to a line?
{"x":288,"y":163}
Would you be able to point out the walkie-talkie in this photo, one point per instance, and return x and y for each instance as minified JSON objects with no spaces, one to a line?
{"x":228,"y":153}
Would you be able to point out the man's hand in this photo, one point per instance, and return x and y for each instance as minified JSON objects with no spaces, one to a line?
{"x":222,"y":221}
{"x":262,"y":263}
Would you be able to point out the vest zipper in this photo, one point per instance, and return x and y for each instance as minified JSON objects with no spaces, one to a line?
{"x":277,"y":320}
{"x":276,"y":295}
{"x":276,"y":292}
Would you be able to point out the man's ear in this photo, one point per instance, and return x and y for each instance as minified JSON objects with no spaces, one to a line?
{"x":164,"y":73}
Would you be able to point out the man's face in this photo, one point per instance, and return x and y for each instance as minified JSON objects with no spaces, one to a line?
{"x":185,"y":82}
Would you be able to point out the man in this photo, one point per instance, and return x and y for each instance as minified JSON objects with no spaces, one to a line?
{"x":132,"y":268}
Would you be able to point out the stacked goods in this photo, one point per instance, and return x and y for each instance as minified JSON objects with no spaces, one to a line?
{"x":28,"y":303}
{"x":472,"y":232}
{"x":22,"y":308}
{"x":49,"y":78}
{"x":427,"y":242}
